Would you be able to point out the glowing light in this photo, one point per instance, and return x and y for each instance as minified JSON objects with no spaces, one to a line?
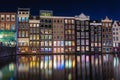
{"x":50,"y":64}
{"x":11,"y":67}
{"x":66,"y":64}
{"x":41,"y":65}
{"x":87,"y":58}
{"x":46,"y":58}
{"x":62,"y":65}
{"x":46,"y":65}
{"x":1,"y":36}
{"x":78,"y":58}
{"x":34,"y":64}
{"x":116,"y":62}
{"x":73,"y":65}
{"x":30,"y":64}
{"x":96,"y":62}
{"x":70,"y":64}
{"x":34,"y":58}
{"x":55,"y":65}
{"x":58,"y":65}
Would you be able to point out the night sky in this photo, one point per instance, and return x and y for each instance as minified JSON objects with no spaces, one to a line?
{"x":97,"y":9}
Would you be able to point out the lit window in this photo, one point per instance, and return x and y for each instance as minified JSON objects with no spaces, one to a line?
{"x":23,"y":19}
{"x":46,"y":36}
{"x":46,"y":43}
{"x":30,"y":37}
{"x":62,"y":43}
{"x":50,"y":43}
{"x":50,"y":36}
{"x":46,"y":49}
{"x":58,"y":43}
{"x":62,"y":50}
{"x":99,"y":44}
{"x":13,"y":27}
{"x":66,"y":21}
{"x":26,"y":19}
{"x":23,"y":33}
{"x":42,"y":49}
{"x":42,"y":36}
{"x":69,"y":43}
{"x":73,"y":43}
{"x":109,"y":24}
{"x":19,"y":33}
{"x":30,"y":43}
{"x":42,"y":43}
{"x":30,"y":25}
{"x":37,"y":37}
{"x":117,"y":45}
{"x":87,"y":48}
{"x":55,"y":43}
{"x":37,"y":25}
{"x":95,"y":44}
{"x":82,"y":48}
{"x":66,"y":43}
{"x":87,"y":42}
{"x":70,"y":49}
{"x":50,"y":49}
{"x":8,"y":26}
{"x":37,"y":43}
{"x":34,"y":37}
{"x":78,"y":48}
{"x":34,"y":25}
{"x":72,"y":21}
{"x":58,"y":50}
{"x":54,"y":50}
{"x":19,"y":19}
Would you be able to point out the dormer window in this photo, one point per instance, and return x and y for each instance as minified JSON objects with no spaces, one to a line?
{"x":13,"y":18}
{"x":2,"y":17}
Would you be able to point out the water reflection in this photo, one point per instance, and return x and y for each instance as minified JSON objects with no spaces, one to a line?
{"x":46,"y":67}
{"x":61,"y":67}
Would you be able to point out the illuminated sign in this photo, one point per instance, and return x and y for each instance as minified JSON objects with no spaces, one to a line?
{"x":46,"y":13}
{"x":7,"y":38}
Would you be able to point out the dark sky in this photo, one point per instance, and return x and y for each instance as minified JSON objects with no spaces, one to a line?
{"x":97,"y":9}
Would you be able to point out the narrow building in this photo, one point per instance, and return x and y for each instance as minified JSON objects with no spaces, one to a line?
{"x":34,"y":34}
{"x":58,"y":35}
{"x":69,"y":36}
{"x":82,"y":34}
{"x":96,"y":37}
{"x":107,"y":36}
{"x":23,"y":30}
{"x":116,"y":36}
{"x":46,"y":29}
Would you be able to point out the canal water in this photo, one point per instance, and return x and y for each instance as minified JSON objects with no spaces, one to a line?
{"x":60,"y":67}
